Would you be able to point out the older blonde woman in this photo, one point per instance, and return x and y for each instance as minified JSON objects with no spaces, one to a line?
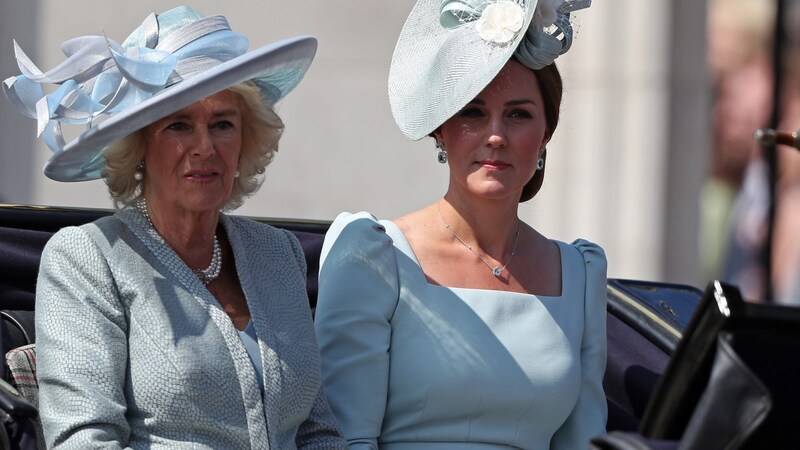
{"x":170,"y":324}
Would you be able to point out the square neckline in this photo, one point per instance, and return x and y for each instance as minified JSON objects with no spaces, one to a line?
{"x":405,"y":245}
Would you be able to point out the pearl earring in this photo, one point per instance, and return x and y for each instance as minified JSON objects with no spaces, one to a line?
{"x":139,"y":174}
{"x":236,"y":174}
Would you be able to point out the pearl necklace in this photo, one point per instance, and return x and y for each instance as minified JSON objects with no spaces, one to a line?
{"x":206,"y":275}
{"x":496,"y":270}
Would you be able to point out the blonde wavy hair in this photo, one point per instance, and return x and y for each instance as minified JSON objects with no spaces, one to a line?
{"x":261,"y":131}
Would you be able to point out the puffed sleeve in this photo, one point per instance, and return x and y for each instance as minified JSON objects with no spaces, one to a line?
{"x":358,"y":293}
{"x":588,"y":419}
{"x":81,"y":346}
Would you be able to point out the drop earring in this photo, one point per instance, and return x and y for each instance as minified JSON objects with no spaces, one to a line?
{"x":139,"y":174}
{"x":442,"y":155}
{"x":236,"y":174}
{"x":540,"y":161}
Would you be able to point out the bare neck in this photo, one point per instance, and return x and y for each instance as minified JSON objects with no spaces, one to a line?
{"x":189,"y":233}
{"x":491,"y":224}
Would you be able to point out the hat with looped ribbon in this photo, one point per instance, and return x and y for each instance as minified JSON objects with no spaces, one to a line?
{"x":170,"y":61}
{"x":450,"y":50}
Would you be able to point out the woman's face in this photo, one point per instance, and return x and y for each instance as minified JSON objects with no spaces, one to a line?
{"x":493,"y":143}
{"x":191,"y":156}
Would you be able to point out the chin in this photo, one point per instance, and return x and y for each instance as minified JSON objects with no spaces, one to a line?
{"x":494,"y":191}
{"x":205,"y":203}
{"x":496,"y":195}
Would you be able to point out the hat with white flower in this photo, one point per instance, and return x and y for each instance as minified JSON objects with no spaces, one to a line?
{"x":170,"y":61}
{"x":450,"y":50}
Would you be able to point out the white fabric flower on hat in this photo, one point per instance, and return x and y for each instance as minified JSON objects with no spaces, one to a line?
{"x":500,"y":22}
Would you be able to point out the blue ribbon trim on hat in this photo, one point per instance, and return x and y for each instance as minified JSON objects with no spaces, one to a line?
{"x":454,"y":13}
{"x":541,"y":47}
{"x":101,"y":76}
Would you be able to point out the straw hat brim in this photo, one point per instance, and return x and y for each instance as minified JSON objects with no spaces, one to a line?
{"x":436,"y":71}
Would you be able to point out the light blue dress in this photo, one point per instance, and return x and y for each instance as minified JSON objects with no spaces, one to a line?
{"x":411,"y":365}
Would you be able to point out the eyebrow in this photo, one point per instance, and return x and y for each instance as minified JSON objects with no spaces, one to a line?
{"x":522,"y":101}
{"x":223,"y":113}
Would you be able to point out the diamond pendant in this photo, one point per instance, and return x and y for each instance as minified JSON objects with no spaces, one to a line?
{"x":497,"y":271}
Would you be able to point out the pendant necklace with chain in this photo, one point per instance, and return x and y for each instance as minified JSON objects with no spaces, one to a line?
{"x":496,"y":270}
{"x":206,"y":275}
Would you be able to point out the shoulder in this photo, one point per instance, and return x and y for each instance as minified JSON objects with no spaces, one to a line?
{"x":357,"y":232}
{"x":67,"y":243}
{"x":254,"y":232}
{"x":595,"y":268}
{"x":260,"y":241}
{"x":358,"y":263}
{"x":358,"y":228}
{"x":592,"y":253}
{"x":79,"y":238}
{"x":244,"y":226}
{"x":83,"y":255}
{"x":361,"y":222}
{"x":67,"y":236}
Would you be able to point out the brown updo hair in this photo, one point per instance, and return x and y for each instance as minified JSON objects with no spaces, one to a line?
{"x":552,"y":89}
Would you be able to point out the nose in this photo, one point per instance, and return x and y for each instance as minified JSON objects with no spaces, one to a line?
{"x":203,"y":144}
{"x":496,"y":141}
{"x":496,"y":137}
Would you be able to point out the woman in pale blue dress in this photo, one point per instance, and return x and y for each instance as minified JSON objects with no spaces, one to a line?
{"x":458,"y":326}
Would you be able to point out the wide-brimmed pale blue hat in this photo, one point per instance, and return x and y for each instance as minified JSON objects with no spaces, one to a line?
{"x":170,"y":61}
{"x":450,"y":50}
